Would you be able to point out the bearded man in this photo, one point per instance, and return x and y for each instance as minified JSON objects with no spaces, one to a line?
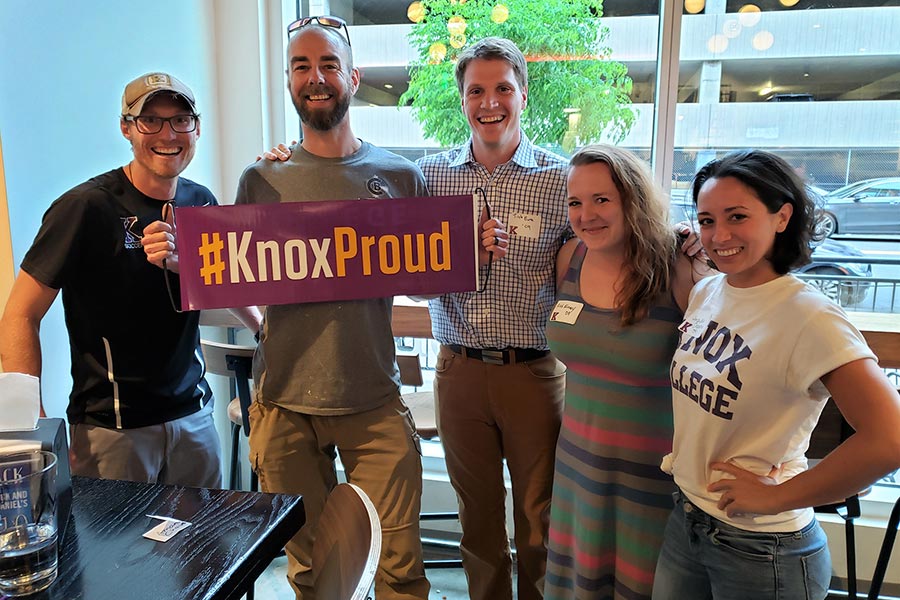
{"x":327,"y":381}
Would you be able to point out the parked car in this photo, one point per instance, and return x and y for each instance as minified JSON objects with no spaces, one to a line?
{"x":869,"y":206}
{"x":826,"y":260}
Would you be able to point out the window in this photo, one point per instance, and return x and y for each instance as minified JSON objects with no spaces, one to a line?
{"x":811,"y":80}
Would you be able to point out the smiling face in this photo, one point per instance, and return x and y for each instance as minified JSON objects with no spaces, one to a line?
{"x":738,"y":231}
{"x":321,"y":80}
{"x":166,"y":154}
{"x":595,"y":208}
{"x":493,"y":101}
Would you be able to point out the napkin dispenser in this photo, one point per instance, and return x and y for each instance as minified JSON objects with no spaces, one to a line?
{"x":49,"y":435}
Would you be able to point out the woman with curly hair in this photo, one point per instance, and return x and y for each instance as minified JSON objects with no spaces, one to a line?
{"x":623,"y":285}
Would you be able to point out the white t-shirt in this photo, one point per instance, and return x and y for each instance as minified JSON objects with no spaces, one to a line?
{"x":746,"y":388}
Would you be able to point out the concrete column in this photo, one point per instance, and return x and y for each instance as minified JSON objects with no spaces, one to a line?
{"x":710,"y":82}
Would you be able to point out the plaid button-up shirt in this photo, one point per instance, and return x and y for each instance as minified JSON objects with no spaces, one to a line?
{"x":527,"y":194}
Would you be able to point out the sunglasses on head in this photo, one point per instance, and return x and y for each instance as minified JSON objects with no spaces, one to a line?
{"x":324,"y":21}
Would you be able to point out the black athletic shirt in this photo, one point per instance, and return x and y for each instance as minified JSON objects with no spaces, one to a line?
{"x":135,"y":361}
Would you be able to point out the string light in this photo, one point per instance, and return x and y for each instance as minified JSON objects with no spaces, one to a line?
{"x":415,"y":12}
{"x":456,"y":25}
{"x":763,"y":40}
{"x":749,"y":15}
{"x":694,"y":6}
{"x":437,"y":51}
{"x":499,"y":14}
{"x":457,"y":41}
{"x":717,"y":44}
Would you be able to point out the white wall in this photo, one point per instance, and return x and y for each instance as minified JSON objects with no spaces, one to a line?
{"x":63,"y":70}
{"x":63,"y":66}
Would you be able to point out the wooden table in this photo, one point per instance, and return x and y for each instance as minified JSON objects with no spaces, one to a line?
{"x":232,"y":539}
{"x":882,"y":333}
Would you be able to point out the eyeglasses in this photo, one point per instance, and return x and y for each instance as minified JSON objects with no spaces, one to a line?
{"x":325,"y":21}
{"x":150,"y":125}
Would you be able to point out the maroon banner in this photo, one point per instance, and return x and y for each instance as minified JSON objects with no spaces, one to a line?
{"x":322,"y":251}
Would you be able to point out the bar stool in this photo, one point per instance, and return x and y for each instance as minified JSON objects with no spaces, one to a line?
{"x":830,"y":431}
{"x":884,"y":556}
{"x":421,"y":405}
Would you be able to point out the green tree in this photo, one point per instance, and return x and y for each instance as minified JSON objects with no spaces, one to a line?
{"x":575,"y":93}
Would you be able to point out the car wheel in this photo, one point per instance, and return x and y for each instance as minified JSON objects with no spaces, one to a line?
{"x":844,"y":293}
{"x":827,"y":225}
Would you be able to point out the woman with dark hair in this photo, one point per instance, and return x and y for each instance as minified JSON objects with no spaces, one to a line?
{"x":759,"y":354}
{"x":622,"y":287}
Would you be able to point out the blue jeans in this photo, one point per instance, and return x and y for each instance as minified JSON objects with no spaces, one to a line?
{"x":704,"y":558}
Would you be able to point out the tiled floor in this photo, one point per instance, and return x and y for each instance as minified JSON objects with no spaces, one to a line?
{"x":446,"y":584}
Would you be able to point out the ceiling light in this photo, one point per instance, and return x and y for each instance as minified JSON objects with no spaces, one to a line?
{"x":788,"y":2}
{"x":388,"y":86}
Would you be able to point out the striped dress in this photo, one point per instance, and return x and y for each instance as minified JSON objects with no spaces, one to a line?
{"x":610,"y":499}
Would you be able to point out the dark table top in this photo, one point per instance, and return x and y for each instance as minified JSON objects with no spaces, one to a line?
{"x":233,"y":537}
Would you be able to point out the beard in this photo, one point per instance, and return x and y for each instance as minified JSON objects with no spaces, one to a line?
{"x":321,"y":119}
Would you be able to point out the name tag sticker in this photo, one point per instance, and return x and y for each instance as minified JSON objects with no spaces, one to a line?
{"x":166,"y":530}
{"x":566,"y":311}
{"x":525,"y":225}
{"x":695,"y":323}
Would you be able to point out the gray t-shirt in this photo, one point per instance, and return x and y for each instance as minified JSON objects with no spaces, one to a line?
{"x":329,"y":358}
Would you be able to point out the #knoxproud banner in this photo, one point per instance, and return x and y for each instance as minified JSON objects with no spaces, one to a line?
{"x":324,"y":251}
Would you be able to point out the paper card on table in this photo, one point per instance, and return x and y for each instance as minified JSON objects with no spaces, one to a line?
{"x":166,"y":530}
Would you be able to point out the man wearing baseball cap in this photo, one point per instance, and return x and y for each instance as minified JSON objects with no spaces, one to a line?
{"x":140,"y":408}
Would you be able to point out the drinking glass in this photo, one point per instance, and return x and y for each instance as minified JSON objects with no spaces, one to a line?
{"x":28,"y":528}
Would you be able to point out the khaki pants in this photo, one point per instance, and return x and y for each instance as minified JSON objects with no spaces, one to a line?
{"x":180,"y":452}
{"x":294,"y":453}
{"x":487,"y":413}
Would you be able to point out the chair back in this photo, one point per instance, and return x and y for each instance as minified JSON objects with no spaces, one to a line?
{"x":347,"y":545}
{"x":829,"y":432}
{"x":410,"y":370}
{"x":232,"y":360}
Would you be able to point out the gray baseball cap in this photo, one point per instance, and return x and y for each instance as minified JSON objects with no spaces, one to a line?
{"x":146,"y":86}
